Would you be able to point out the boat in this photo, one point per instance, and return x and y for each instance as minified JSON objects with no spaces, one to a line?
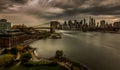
{"x":55,"y":36}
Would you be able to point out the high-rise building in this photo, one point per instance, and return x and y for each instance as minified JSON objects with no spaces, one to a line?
{"x":65,"y":25}
{"x":75,"y":24}
{"x":4,"y":26}
{"x":92,"y":23}
{"x":70,"y":24}
{"x":116,"y":25}
{"x":102,"y":24}
{"x":80,"y":25}
{"x":84,"y":20}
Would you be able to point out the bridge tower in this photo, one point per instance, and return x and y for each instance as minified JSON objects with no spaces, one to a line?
{"x":52,"y":26}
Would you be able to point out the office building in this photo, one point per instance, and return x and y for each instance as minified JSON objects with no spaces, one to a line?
{"x":4,"y":26}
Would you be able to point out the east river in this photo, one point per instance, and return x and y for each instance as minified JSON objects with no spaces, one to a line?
{"x":98,"y":51}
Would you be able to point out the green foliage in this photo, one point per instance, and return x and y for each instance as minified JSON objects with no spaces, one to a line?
{"x":5,"y":51}
{"x":40,"y":63}
{"x":14,"y":51}
{"x":43,"y":67}
{"x":6,"y":59}
{"x":26,"y":57}
{"x":59,"y":54}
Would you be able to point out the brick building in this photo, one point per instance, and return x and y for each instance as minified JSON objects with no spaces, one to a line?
{"x":14,"y":38}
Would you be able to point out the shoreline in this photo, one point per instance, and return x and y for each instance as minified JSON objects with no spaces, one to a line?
{"x":67,"y":63}
{"x":35,"y":55}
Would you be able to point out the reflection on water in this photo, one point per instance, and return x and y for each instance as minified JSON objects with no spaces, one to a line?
{"x":97,"y":50}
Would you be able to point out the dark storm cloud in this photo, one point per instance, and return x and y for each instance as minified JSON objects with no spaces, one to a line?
{"x":13,"y":1}
{"x":56,"y":9}
{"x":5,"y":4}
{"x":20,"y":1}
{"x":104,"y":10}
{"x":69,"y":3}
{"x":96,"y":8}
{"x":72,"y":7}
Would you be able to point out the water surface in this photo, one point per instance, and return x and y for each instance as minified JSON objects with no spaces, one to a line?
{"x":98,"y":51}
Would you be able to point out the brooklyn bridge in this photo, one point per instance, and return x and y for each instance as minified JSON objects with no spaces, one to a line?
{"x":51,"y":26}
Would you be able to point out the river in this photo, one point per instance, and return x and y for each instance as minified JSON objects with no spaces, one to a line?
{"x":98,"y":51}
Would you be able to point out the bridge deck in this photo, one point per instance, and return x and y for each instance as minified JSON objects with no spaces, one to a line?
{"x":42,"y":27}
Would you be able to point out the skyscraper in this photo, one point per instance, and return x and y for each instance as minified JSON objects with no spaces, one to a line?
{"x":65,"y":25}
{"x":102,"y":24}
{"x":116,"y":25}
{"x":70,"y":24}
{"x":92,"y":23}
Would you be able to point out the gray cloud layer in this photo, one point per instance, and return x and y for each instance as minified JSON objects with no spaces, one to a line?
{"x":52,"y":9}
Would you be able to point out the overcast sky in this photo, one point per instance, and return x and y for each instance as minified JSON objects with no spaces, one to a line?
{"x":35,"y":12}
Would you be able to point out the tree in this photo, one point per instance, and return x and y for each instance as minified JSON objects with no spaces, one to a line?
{"x":14,"y":51}
{"x":26,"y":57}
{"x":5,"y":51}
{"x":59,"y":54}
{"x":6,"y":59}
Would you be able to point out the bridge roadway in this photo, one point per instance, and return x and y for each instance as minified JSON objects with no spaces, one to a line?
{"x":42,"y":27}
